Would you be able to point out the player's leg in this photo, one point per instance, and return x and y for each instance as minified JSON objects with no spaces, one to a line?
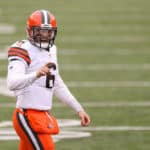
{"x":28,"y":139}
{"x":23,"y":145}
{"x":46,"y":141}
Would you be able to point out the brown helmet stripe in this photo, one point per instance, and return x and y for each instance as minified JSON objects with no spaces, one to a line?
{"x":45,"y":17}
{"x":48,"y":17}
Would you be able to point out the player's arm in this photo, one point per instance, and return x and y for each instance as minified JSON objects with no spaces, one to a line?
{"x":16,"y":77}
{"x":18,"y":59}
{"x":62,"y":92}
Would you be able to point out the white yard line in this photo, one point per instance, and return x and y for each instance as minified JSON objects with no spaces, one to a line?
{"x":117,"y":104}
{"x":3,"y":88}
{"x":115,"y":27}
{"x":97,"y":67}
{"x":110,"y":104}
{"x":102,"y":84}
{"x":97,"y":128}
{"x":93,"y":104}
{"x":107,"y":39}
{"x":3,"y":56}
{"x":74,"y":125}
{"x":113,"y":128}
{"x":105,"y":51}
{"x":7,"y":29}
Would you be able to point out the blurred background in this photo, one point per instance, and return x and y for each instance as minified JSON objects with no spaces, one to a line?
{"x":104,"y":56}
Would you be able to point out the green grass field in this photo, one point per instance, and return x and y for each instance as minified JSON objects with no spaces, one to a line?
{"x":104,"y":57}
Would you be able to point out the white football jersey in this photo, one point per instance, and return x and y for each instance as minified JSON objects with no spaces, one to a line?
{"x":32,"y":92}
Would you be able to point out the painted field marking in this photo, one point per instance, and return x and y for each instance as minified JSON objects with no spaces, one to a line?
{"x":3,"y":88}
{"x":7,"y":29}
{"x":105,"y":51}
{"x":3,"y":53}
{"x":108,"y":84}
{"x":113,"y":128}
{"x":107,"y":39}
{"x":92,"y":104}
{"x":97,"y":67}
{"x":110,"y":104}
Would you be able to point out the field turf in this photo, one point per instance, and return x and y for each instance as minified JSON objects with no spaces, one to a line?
{"x":104,"y":56}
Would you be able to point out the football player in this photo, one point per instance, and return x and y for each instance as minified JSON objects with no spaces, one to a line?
{"x":34,"y":78}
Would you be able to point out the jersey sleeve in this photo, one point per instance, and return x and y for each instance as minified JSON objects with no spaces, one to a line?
{"x":16,"y":76}
{"x":62,"y":92}
{"x":17,"y":53}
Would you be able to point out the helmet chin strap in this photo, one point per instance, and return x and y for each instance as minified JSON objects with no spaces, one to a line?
{"x":44,"y":45}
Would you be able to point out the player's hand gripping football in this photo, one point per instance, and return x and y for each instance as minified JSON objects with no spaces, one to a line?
{"x":45,"y":70}
{"x":84,"y":117}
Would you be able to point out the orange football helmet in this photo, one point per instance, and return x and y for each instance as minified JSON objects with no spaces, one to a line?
{"x":42,"y":29}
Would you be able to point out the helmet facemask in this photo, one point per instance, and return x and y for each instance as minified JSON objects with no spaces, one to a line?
{"x":43,"y":37}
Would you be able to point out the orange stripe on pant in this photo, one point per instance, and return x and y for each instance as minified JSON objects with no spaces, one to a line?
{"x":29,"y":138}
